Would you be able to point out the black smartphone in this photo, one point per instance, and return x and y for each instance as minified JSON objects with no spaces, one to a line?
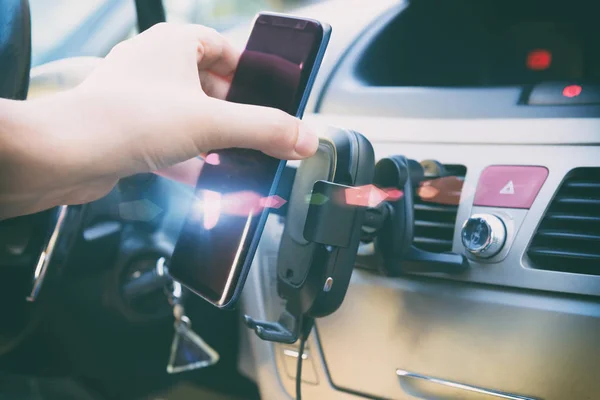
{"x":216,"y":246}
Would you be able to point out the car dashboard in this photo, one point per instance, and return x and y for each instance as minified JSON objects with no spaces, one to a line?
{"x":504,"y":96}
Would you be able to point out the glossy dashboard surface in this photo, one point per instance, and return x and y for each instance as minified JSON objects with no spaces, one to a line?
{"x":503,"y":326}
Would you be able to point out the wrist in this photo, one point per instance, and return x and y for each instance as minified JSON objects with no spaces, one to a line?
{"x":33,"y":163}
{"x":11,"y":122}
{"x":13,"y":128}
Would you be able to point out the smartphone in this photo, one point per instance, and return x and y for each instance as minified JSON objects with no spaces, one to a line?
{"x":217,"y":243}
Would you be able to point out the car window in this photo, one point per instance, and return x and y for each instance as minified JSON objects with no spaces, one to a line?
{"x":224,"y":14}
{"x":66,"y":28}
{"x":45,"y":14}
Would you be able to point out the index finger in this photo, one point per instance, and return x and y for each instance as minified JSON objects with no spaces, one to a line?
{"x":215,"y":53}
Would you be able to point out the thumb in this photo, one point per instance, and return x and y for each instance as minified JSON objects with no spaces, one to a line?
{"x":254,"y":127}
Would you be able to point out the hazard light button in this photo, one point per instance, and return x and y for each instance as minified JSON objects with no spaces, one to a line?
{"x":509,"y":186}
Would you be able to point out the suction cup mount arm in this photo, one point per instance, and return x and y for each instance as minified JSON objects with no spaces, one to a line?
{"x":393,"y":233}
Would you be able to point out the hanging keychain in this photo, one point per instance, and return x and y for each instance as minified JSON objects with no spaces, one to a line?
{"x":188,"y":350}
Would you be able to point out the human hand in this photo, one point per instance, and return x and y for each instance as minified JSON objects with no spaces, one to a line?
{"x":155,"y":101}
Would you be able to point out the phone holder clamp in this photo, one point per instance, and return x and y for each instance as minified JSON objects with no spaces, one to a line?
{"x":329,"y":223}
{"x":321,"y":235}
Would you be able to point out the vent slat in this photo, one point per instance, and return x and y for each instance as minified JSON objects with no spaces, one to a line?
{"x":577,"y":201}
{"x":432,"y":244}
{"x":568,"y":238}
{"x":435,"y":222}
{"x":583,"y":185}
{"x":429,"y":240}
{"x":435,"y":207}
{"x":554,"y":234}
{"x":572,"y":217}
{"x":545,"y":252}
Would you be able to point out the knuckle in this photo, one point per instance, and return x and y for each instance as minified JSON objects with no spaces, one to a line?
{"x":164,"y":30}
{"x":205,"y":30}
{"x":154,"y":30}
{"x":120,"y":47}
{"x":160,"y":27}
{"x":212,"y":31}
{"x":209,"y":36}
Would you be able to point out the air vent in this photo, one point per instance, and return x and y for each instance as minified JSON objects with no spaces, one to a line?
{"x":568,"y":238}
{"x":435,"y":221}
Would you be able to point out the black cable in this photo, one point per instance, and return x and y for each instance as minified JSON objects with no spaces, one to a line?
{"x":299,"y":368}
{"x":307,"y":325}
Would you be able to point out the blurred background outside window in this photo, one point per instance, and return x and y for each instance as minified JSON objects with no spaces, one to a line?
{"x":68,"y":28}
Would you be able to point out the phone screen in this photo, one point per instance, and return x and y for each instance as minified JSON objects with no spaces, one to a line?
{"x":219,"y":237}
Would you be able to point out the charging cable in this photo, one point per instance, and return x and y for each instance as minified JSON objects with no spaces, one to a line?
{"x":299,"y":369}
{"x":307,"y":325}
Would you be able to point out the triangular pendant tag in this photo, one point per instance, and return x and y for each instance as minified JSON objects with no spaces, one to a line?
{"x":189,"y":351}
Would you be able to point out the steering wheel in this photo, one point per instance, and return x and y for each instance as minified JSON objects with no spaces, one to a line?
{"x":32,"y":247}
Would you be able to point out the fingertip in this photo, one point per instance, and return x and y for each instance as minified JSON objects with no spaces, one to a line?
{"x":269,"y":130}
{"x":307,"y":141}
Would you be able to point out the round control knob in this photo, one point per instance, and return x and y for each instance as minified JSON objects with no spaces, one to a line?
{"x":483,"y":235}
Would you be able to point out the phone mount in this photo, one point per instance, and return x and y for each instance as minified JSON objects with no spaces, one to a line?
{"x":321,"y":235}
{"x":340,"y":197}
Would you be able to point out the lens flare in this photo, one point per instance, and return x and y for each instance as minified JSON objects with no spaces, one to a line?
{"x":207,"y":207}
{"x":275,"y":202}
{"x":317,"y":199}
{"x":428,"y":192}
{"x":241,"y":203}
{"x":210,"y":206}
{"x":365,"y":196}
{"x":212,"y":159}
{"x":393,"y":194}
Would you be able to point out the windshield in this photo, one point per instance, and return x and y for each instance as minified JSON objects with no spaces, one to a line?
{"x":67,"y":28}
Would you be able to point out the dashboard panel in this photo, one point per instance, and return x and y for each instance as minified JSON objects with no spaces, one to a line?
{"x":505,"y":328}
{"x":467,"y":43}
{"x":471,"y":59}
{"x":502,"y":325}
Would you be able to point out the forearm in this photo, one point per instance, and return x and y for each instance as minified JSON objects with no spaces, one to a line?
{"x":14,"y":132}
{"x":72,"y":147}
{"x":12,"y":122}
{"x":29,"y":164}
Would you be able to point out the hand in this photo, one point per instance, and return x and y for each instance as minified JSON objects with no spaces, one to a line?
{"x":155,"y":101}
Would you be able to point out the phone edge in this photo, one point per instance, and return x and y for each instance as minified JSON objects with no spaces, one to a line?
{"x":265,"y":214}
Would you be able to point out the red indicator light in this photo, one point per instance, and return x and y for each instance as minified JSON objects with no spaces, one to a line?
{"x":572,"y":91}
{"x":539,"y":60}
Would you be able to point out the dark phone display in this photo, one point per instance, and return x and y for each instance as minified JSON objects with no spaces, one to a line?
{"x":273,"y":71}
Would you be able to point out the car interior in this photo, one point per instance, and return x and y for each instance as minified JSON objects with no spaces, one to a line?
{"x":485,"y":283}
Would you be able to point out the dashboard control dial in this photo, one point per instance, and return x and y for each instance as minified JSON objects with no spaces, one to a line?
{"x":483,"y":235}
